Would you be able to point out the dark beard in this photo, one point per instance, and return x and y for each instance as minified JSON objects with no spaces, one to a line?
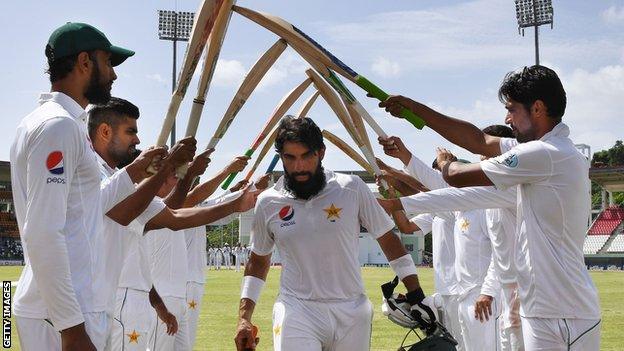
{"x":305,"y":190}
{"x":97,"y":92}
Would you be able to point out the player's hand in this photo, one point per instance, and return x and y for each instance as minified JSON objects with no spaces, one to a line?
{"x":245,"y":338}
{"x":199,"y":164}
{"x":483,"y":308}
{"x":390,"y":205}
{"x":394,"y":147}
{"x":76,"y":339}
{"x":169,"y":319}
{"x":247,"y":200}
{"x":422,"y":310}
{"x":238,"y":186}
{"x":237,"y":164}
{"x":394,"y":104}
{"x":263,"y":182}
{"x":152,"y":156}
{"x":182,"y":152}
{"x":444,"y":156}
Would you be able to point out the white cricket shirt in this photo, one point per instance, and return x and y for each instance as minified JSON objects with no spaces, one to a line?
{"x":443,"y":250}
{"x":58,"y":203}
{"x":553,"y":202}
{"x":169,"y":262}
{"x":318,"y":238}
{"x":196,"y":254}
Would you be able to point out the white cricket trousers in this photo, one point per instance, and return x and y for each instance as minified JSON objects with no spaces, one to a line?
{"x":194,"y":295}
{"x":555,"y":334}
{"x":39,"y":334}
{"x":178,"y":341}
{"x":305,"y":325}
{"x":510,"y":325}
{"x":134,"y":320}
{"x":478,"y":336}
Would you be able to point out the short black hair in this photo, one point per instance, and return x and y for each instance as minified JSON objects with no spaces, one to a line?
{"x":112,"y":113}
{"x":302,"y":130}
{"x":532,"y":84}
{"x":499,"y":130}
{"x":60,"y":67}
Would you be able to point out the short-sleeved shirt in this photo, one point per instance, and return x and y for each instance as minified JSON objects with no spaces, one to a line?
{"x":318,"y":239}
{"x":553,"y":204}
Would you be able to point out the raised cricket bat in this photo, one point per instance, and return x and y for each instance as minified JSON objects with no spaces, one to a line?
{"x":301,"y":42}
{"x":202,"y":25}
{"x":283,"y":106}
{"x":265,"y":149}
{"x":307,"y":105}
{"x":343,"y":115}
{"x":348,"y":150}
{"x":215,"y":41}
{"x":250,"y":82}
{"x":273,"y":163}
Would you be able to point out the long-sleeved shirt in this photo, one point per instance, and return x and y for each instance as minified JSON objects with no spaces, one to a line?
{"x":59,"y":202}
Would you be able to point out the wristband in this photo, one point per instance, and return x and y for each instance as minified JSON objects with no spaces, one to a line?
{"x":252,"y":287}
{"x":403,"y":266}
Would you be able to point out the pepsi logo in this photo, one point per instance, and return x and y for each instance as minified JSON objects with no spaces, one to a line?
{"x":54,"y":162}
{"x":286,"y":213}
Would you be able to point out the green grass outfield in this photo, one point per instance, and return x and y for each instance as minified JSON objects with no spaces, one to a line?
{"x":220,"y":305}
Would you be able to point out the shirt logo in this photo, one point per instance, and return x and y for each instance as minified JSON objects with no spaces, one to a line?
{"x":286,"y":213}
{"x":510,"y":161}
{"x":332,"y":212}
{"x":54,"y":162}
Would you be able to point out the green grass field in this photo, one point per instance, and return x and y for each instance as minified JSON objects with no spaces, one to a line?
{"x":220,"y":305}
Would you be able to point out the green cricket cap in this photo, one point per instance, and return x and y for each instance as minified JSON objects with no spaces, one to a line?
{"x":73,"y":38}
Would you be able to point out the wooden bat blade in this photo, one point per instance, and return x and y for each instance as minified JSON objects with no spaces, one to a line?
{"x":265,"y":149}
{"x":251,"y":81}
{"x":202,"y":25}
{"x":302,"y":42}
{"x":305,"y":108}
{"x":215,"y":42}
{"x":348,"y":150}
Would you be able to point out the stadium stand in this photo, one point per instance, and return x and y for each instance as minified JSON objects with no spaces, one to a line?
{"x":604,"y":227}
{"x":593,"y":243}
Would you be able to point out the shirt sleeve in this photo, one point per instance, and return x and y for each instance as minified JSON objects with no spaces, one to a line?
{"x":261,"y":240}
{"x":524,"y":164}
{"x":507,"y":144}
{"x":424,"y":221}
{"x":371,"y":214}
{"x":59,"y":142}
{"x":428,"y":176}
{"x":459,"y":199}
{"x":153,"y":208}
{"x":115,"y":188}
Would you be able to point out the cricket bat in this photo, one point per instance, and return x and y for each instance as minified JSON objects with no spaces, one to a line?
{"x":255,"y":74}
{"x":265,"y":149}
{"x":273,"y":163}
{"x":283,"y":106}
{"x":302,"y":43}
{"x":305,"y":108}
{"x":202,"y":26}
{"x":348,"y":150}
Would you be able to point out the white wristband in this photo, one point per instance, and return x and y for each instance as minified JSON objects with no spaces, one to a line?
{"x":403,"y":266}
{"x":252,"y":287}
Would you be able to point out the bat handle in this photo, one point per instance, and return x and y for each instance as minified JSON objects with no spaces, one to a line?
{"x":381,"y":95}
{"x":231,"y":177}
{"x":181,"y":171}
{"x":273,"y":163}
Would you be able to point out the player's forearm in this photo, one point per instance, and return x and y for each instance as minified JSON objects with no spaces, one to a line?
{"x":155,"y":300}
{"x":194,"y":217}
{"x":405,"y":226}
{"x":457,"y":131}
{"x":132,"y":206}
{"x":464,"y":175}
{"x":176,"y":198}
{"x":204,"y":190}
{"x":256,"y":271}
{"x":246,"y":309}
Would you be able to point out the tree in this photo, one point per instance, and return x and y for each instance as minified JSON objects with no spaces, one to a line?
{"x":610,"y":158}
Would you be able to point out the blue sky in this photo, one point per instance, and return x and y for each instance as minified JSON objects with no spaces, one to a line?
{"x":451,"y":55}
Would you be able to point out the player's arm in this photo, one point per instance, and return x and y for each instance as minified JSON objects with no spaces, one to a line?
{"x":256,"y":271}
{"x":204,"y":190}
{"x":43,"y":236}
{"x":183,"y":218}
{"x":457,"y":131}
{"x":404,"y":224}
{"x":162,"y":312}
{"x":459,"y":174}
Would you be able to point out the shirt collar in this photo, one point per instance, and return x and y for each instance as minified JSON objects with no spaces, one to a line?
{"x":103,"y":163}
{"x":560,"y":130}
{"x":69,"y":104}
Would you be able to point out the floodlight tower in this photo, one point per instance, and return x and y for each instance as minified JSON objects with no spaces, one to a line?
{"x":175,"y":26}
{"x":534,"y":13}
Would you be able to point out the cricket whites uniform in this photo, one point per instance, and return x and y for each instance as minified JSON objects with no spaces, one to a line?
{"x":501,"y":221}
{"x":59,"y":201}
{"x":442,"y":226}
{"x":196,"y":253}
{"x":169,"y":271}
{"x":322,"y":304}
{"x":559,"y":302}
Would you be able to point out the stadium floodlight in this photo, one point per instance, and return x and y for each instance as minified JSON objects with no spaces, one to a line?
{"x":174,"y":26}
{"x":534,"y":13}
